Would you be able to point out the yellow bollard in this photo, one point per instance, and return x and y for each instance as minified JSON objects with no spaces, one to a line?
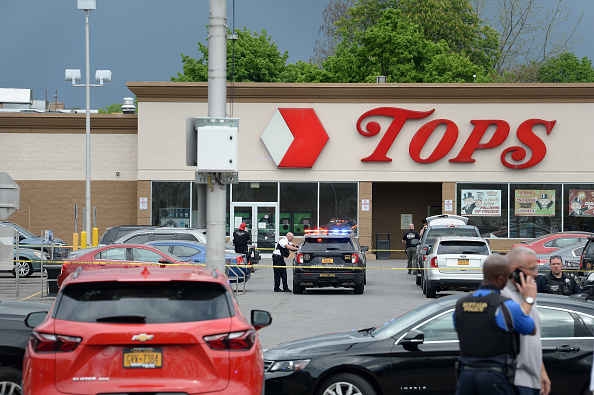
{"x":74,"y":241}
{"x":83,"y":239}
{"x":95,"y":237}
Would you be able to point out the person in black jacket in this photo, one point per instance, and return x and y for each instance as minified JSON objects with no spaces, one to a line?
{"x":557,"y":282}
{"x":241,"y":241}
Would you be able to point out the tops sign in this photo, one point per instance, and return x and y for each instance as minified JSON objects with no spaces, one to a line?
{"x":524,"y":133}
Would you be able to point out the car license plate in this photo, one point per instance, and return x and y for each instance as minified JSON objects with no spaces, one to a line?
{"x":327,"y":275}
{"x":146,"y":358}
{"x":463,"y":262}
{"x":327,"y":260}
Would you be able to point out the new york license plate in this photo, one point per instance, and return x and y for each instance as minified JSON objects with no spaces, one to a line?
{"x":327,"y":260}
{"x":144,"y":358}
{"x":463,"y":262}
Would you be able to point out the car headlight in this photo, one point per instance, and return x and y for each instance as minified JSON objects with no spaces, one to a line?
{"x":38,"y":254}
{"x":289,"y":366}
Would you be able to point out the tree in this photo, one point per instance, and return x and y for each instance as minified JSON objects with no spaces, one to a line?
{"x":250,"y":58}
{"x":451,"y":21}
{"x":529,"y":35}
{"x":396,"y":48}
{"x":566,"y":68}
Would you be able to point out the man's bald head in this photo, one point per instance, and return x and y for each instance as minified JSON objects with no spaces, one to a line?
{"x":496,"y":270}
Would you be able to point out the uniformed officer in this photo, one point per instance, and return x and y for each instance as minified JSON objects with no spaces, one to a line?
{"x":489,"y":326}
{"x":557,"y":282}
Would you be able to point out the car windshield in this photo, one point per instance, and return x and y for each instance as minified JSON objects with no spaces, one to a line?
{"x":434,"y":233}
{"x":462,"y":247}
{"x":120,"y":302}
{"x":404,"y":322}
{"x":21,"y":230}
{"x":318,"y":244}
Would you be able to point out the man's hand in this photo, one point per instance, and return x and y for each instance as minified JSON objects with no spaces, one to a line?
{"x":527,"y":286}
{"x":545,"y":382}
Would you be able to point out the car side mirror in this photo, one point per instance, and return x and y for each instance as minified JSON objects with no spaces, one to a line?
{"x":260,"y":319}
{"x":364,"y":248}
{"x":164,"y":260}
{"x":412,"y":339}
{"x":35,"y":318}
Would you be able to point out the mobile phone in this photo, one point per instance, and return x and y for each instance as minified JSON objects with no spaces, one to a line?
{"x":515,"y":275}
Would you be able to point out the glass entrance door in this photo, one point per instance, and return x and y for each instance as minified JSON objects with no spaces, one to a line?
{"x":260,"y":220}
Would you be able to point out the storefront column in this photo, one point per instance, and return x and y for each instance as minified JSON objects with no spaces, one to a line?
{"x":143,"y":212}
{"x":448,"y":192}
{"x":365,"y":229}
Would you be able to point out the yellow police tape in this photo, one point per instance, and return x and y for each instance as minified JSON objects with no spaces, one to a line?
{"x":202,"y":265}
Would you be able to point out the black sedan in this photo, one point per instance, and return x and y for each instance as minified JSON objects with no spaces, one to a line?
{"x":415,"y":353}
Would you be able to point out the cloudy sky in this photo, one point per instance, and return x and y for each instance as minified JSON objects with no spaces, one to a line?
{"x":141,"y":40}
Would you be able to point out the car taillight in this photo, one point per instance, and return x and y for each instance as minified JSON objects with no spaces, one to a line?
{"x":65,"y":266}
{"x":46,"y":342}
{"x":234,"y":341}
{"x":355,"y":258}
{"x":240,"y":260}
{"x":434,"y":262}
{"x":542,"y":261}
{"x":299,"y":258}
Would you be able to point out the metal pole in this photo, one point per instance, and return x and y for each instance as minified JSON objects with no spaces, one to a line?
{"x":88,"y":134}
{"x":217,"y":102}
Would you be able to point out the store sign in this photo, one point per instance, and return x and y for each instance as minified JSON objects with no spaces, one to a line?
{"x":524,"y":133}
{"x":295,"y":137}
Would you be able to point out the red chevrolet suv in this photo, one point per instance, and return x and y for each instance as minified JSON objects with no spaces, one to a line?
{"x":145,"y":330}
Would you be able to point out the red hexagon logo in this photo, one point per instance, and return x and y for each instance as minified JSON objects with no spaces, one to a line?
{"x":295,"y":137}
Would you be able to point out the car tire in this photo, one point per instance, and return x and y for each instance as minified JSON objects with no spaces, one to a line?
{"x":430,"y":292}
{"x":359,"y":289}
{"x":25,"y":269}
{"x":298,"y":289}
{"x":418,"y":279}
{"x":423,"y":285}
{"x":346,"y":383}
{"x":10,"y":380}
{"x":365,"y":277}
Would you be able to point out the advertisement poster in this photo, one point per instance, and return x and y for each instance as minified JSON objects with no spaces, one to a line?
{"x":535,"y":202}
{"x":581,"y":202}
{"x":485,"y":202}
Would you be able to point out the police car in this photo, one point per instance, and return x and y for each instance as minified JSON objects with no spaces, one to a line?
{"x":329,"y":258}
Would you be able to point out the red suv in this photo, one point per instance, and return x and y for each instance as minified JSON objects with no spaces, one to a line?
{"x":145,"y":330}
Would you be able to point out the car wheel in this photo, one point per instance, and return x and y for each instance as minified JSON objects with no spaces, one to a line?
{"x":365,"y":277}
{"x":346,"y":383}
{"x":297,"y":289}
{"x":10,"y":381}
{"x":430,"y":292}
{"x":25,"y":270}
{"x":418,"y":279}
{"x":423,"y":285}
{"x":359,"y":289}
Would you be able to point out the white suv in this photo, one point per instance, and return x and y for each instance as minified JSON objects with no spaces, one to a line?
{"x":158,"y":234}
{"x":455,"y":263}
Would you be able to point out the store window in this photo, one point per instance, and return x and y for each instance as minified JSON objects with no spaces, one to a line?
{"x":338,"y":201}
{"x":535,"y":210}
{"x":255,"y":192}
{"x":171,"y":204}
{"x":578,"y":207}
{"x":486,"y":206}
{"x":299,"y":206}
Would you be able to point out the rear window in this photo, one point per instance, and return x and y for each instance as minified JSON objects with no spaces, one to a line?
{"x":589,"y":248}
{"x":434,"y":233}
{"x":315,"y":244}
{"x":144,"y":303}
{"x":462,"y":247}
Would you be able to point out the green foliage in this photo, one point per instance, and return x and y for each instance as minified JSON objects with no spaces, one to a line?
{"x":253,"y":58}
{"x":394,"y":47}
{"x":566,"y":68}
{"x":112,"y":108}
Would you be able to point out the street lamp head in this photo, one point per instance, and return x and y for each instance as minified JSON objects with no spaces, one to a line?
{"x":86,"y":5}
{"x":103,"y":76}
{"x":72,"y":75}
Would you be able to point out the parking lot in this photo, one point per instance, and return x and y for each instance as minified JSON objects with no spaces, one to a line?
{"x":389,"y":292}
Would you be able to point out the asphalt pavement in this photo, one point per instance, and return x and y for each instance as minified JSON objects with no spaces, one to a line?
{"x":389,"y":293}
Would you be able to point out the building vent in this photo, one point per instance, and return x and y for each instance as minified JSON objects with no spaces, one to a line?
{"x":128,"y":106}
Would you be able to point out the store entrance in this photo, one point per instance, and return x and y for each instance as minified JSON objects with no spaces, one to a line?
{"x":260,"y":219}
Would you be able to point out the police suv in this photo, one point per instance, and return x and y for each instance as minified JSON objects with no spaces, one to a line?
{"x":329,"y":258}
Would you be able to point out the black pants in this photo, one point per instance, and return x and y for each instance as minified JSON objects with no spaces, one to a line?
{"x":483,"y":382}
{"x":280,"y":273}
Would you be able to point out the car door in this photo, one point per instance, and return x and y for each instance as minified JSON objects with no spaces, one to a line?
{"x":567,"y":344}
{"x":428,"y":367}
{"x":109,"y":258}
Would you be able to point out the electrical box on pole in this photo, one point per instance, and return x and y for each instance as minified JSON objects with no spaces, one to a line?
{"x":10,"y":196}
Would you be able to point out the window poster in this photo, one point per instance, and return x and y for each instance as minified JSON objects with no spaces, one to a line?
{"x":535,"y":202}
{"x":484,"y":202}
{"x":581,"y":202}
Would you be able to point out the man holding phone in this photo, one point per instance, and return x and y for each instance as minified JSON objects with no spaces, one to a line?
{"x":531,"y":376}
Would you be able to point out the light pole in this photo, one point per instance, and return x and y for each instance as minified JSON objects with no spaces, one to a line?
{"x":101,"y":76}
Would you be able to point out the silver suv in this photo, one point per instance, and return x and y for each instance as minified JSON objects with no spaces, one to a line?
{"x":454,"y":263}
{"x":157,"y":234}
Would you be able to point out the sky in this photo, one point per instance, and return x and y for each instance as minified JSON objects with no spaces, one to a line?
{"x":142,"y":40}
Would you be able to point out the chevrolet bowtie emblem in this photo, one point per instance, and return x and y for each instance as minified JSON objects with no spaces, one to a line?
{"x":142,"y":337}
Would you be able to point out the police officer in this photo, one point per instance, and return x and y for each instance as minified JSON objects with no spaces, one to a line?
{"x":489,"y":326}
{"x":557,"y":282}
{"x":241,"y":240}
